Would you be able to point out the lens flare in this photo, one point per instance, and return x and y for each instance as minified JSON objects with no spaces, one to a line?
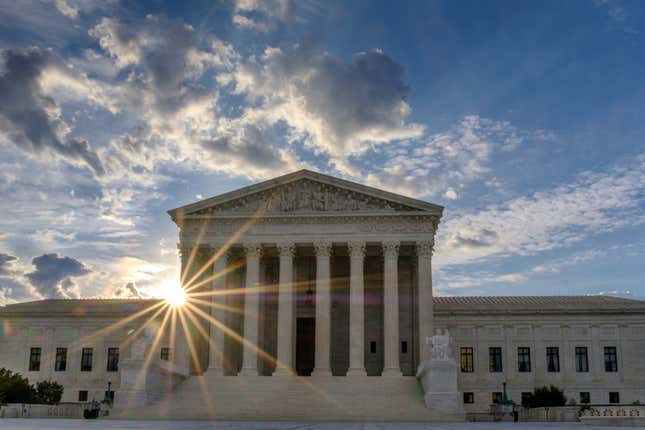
{"x":173,"y":294}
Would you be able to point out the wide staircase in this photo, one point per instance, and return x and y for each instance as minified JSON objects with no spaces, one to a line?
{"x":291,"y":398}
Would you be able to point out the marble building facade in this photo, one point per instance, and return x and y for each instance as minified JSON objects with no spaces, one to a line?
{"x":312,"y":299}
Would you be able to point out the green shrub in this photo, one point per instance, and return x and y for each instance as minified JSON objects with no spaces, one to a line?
{"x":49,"y":392}
{"x":545,"y":397}
{"x":14,"y":388}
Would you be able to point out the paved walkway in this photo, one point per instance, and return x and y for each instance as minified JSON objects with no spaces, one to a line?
{"x":63,"y":424}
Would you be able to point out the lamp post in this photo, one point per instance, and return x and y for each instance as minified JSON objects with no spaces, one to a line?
{"x":108,"y":394}
{"x":504,"y":395}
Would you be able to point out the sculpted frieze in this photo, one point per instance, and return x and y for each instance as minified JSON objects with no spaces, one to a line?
{"x":305,"y":196}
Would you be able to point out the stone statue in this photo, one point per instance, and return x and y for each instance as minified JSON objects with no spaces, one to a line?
{"x":441,"y":346}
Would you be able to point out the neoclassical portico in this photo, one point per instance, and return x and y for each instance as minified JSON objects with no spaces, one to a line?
{"x":310,"y":262}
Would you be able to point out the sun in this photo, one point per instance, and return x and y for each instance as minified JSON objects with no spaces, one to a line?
{"x":173,"y":294}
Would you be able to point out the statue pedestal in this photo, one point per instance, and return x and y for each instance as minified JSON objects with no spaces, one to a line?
{"x":439,"y":381}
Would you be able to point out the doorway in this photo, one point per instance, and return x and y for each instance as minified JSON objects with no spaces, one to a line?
{"x":305,"y":345}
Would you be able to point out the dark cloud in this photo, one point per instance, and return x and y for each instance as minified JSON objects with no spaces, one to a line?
{"x":53,"y":275}
{"x":28,"y":116}
{"x":129,"y":290}
{"x":247,"y":147}
{"x":5,"y":262}
{"x":341,"y":105}
{"x":481,"y":238}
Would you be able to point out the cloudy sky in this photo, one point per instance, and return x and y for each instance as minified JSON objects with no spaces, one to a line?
{"x":525,"y":120}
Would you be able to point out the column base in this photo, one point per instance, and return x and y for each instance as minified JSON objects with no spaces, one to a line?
{"x":217,"y":371}
{"x":356,"y":372}
{"x":283,"y":371}
{"x":392,"y":372}
{"x":248,"y":371}
{"x":321,"y":372}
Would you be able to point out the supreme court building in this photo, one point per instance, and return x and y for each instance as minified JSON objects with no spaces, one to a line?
{"x":310,"y":297}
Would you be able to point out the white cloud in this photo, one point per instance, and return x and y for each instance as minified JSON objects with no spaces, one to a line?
{"x":450,"y":194}
{"x":593,"y":204}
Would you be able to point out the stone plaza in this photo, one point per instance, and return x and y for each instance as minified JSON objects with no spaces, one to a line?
{"x":310,"y":298}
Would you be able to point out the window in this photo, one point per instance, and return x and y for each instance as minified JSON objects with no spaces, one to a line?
{"x":469,"y":397}
{"x":582,"y":360}
{"x":109,"y":396}
{"x":497,"y":397}
{"x":165,"y":354}
{"x":404,"y":347}
{"x":552,"y":359}
{"x":82,"y":396}
{"x":113,"y":360}
{"x":467,"y":359}
{"x":61,"y":360}
{"x":523,"y":359}
{"x":585,"y":397}
{"x":614,"y":397}
{"x":34,"y":359}
{"x":526,"y":397}
{"x":86,"y":359}
{"x":372,"y":347}
{"x":611,"y":359}
{"x":495,"y":359}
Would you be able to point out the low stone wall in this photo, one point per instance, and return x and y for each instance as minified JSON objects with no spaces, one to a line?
{"x":62,"y":410}
{"x":614,"y":415}
{"x":560,"y":413}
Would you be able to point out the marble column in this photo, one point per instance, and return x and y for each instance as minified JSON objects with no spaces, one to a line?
{"x":356,"y":309}
{"x":323,"y":308}
{"x":285,"y":310}
{"x":216,"y":356}
{"x":251,"y":309}
{"x":425,"y":312}
{"x":597,"y":355}
{"x":391,"y":366}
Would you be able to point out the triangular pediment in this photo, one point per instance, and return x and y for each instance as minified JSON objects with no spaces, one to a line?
{"x":306,"y":192}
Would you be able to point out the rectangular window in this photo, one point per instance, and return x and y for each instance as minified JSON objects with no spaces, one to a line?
{"x":165,"y":354}
{"x":86,"y":359}
{"x":469,"y":397}
{"x":614,"y":397}
{"x":585,"y":397}
{"x":526,"y":397}
{"x":467,"y":359}
{"x":495,"y":359}
{"x":109,"y":396}
{"x":523,"y":359}
{"x":34,"y":359}
{"x":60,"y":364}
{"x":113,"y":360}
{"x":552,"y":359}
{"x":582,"y":360}
{"x":611,"y":359}
{"x":82,"y":396}
{"x":373,"y":347}
{"x":404,"y":347}
{"x":497,"y":397}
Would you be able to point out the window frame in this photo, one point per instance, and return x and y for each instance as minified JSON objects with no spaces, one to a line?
{"x":112,"y":364}
{"x":35,"y":358}
{"x":495,"y":357}
{"x":60,"y":362}
{"x":467,"y":353}
{"x":582,"y":352}
{"x":585,"y":395}
{"x":497,"y":397}
{"x":553,"y":357}
{"x":612,"y":394}
{"x":87,"y":352}
{"x":166,"y":356}
{"x":524,"y":359}
{"x":83,"y":395}
{"x":611,"y":359}
{"x":469,"y":397}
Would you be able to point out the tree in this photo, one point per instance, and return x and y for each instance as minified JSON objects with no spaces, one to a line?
{"x":49,"y":392}
{"x":545,"y":397}
{"x":15,"y":389}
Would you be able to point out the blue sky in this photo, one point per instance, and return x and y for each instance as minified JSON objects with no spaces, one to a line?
{"x":524,"y":119}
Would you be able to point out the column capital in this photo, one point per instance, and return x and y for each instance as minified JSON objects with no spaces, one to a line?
{"x":356,"y":249}
{"x":391,"y":248}
{"x":286,"y":249}
{"x":425,"y":248}
{"x":323,"y":248}
{"x":252,"y":249}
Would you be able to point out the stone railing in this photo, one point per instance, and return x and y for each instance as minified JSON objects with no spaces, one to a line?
{"x":62,"y":410}
{"x":614,"y":415}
